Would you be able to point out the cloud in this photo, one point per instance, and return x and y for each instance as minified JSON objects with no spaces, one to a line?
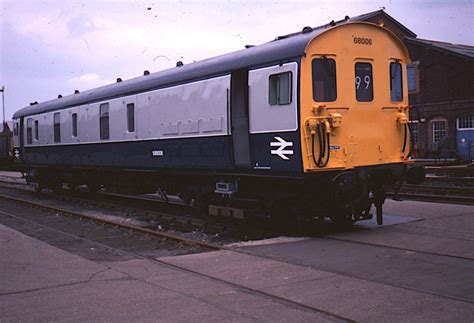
{"x":87,"y":81}
{"x":80,"y":25}
{"x":55,"y":46}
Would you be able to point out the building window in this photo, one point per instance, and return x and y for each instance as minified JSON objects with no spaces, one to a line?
{"x":57,"y":127}
{"x":439,"y":130}
{"x":29,"y":131}
{"x":414,"y":133}
{"x":413,"y":77}
{"x":396,"y":85}
{"x":15,"y":129}
{"x":466,"y":122}
{"x":131,"y":117}
{"x":324,"y":79}
{"x":74,"y":124}
{"x":104,"y":121}
{"x":36,"y":130}
{"x":280,"y":89}
{"x":363,"y":82}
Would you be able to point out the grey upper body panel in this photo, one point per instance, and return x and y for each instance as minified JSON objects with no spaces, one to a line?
{"x":274,"y":51}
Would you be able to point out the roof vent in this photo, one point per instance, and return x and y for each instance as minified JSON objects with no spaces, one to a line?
{"x":59,"y":96}
{"x":281,"y":37}
{"x":307,"y":29}
{"x":76,"y":91}
{"x":146,"y":72}
{"x":249,"y":46}
{"x":179,"y":64}
{"x":33,"y":103}
{"x":332,"y":23}
{"x":346,"y":18}
{"x":119,"y":80}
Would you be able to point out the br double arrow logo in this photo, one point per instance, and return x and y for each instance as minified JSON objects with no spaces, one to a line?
{"x":281,"y":152}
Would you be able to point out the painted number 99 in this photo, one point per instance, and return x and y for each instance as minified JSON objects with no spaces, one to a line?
{"x":366,"y":81}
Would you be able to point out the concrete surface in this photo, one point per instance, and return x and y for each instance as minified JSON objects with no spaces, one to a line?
{"x":9,"y":174}
{"x":409,"y":271}
{"x":42,"y":283}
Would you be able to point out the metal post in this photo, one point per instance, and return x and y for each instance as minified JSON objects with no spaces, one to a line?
{"x":3,"y":104}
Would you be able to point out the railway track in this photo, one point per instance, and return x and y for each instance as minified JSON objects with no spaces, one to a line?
{"x":441,"y":186}
{"x":196,"y":246}
{"x":155,"y":214}
{"x":203,"y":247}
{"x":110,"y":222}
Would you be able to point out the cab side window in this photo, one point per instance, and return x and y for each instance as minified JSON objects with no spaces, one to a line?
{"x":396,"y":86}
{"x":280,"y":89}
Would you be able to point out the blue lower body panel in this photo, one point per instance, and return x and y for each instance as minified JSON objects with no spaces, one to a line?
{"x":202,"y":152}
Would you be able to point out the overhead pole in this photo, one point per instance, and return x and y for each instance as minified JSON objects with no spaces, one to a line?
{"x":3,"y":103}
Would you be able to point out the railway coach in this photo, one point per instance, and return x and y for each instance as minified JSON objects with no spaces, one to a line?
{"x":310,"y":124}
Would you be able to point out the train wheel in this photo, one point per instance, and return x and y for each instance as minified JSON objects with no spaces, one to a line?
{"x":93,"y":188}
{"x":343,"y":219}
{"x":39,"y":187}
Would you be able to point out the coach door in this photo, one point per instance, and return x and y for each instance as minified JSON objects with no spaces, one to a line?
{"x":22,"y":139}
{"x":240,"y":118}
{"x":274,"y":117}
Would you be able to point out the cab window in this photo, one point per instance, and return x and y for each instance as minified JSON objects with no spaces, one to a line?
{"x":324,"y":79}
{"x":396,"y":86}
{"x":363,"y":82}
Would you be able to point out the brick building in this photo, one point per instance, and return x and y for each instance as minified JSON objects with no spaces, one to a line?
{"x":441,"y":92}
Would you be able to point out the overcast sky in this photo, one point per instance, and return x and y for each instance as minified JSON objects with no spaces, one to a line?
{"x":53,"y":47}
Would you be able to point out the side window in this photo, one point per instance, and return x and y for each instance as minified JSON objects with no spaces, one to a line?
{"x":36,"y":130}
{"x":280,"y":89}
{"x":131,"y":117}
{"x":438,"y":130}
{"x":363,"y":82}
{"x":57,"y":127}
{"x":413,"y":77}
{"x":324,"y":79}
{"x":74,"y":124}
{"x":15,"y":129}
{"x":414,"y":133}
{"x":29,"y":131}
{"x":466,"y":122}
{"x":104,"y":121}
{"x":396,"y":86}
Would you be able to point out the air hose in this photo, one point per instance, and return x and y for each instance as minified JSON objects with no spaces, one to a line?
{"x":323,"y":141}
{"x":404,"y":137}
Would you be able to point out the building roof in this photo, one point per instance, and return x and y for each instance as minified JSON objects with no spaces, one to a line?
{"x":9,"y":126}
{"x":382,"y":13}
{"x":464,"y":51}
{"x":366,"y":17}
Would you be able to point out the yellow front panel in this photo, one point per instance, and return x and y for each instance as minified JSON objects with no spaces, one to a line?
{"x":369,"y":133}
